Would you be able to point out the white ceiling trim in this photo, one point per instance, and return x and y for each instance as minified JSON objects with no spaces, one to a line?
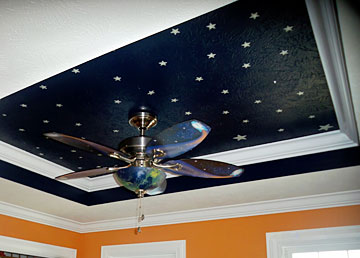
{"x":319,"y":201}
{"x":328,"y":38}
{"x":272,"y":151}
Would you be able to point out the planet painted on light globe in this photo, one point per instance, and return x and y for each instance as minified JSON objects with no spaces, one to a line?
{"x":136,"y":178}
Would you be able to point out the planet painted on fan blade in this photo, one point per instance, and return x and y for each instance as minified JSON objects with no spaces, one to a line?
{"x":136,"y":178}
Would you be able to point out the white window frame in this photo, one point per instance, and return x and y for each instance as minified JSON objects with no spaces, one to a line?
{"x":152,"y":249}
{"x":284,"y":244}
{"x":19,"y":246}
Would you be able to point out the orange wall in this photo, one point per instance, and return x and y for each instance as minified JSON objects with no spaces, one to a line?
{"x":22,"y":229}
{"x":240,"y":237}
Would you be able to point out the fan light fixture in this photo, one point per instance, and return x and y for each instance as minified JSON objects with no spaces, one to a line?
{"x":148,"y":158}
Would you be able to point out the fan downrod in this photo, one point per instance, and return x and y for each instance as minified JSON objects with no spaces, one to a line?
{"x":143,"y":120}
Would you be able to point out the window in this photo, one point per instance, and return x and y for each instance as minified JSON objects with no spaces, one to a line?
{"x":329,"y":254}
{"x":336,"y":242}
{"x":18,"y":247}
{"x":167,"y":249}
{"x":4,"y":254}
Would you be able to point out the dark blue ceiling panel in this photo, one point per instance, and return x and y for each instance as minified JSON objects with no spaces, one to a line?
{"x":250,"y":70}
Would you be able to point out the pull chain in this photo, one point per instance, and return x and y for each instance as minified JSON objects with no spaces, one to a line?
{"x":140,"y":213}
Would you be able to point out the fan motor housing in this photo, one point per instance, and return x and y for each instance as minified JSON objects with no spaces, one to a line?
{"x":134,"y":145}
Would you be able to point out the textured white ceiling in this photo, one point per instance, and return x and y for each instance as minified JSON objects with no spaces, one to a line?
{"x":42,"y":38}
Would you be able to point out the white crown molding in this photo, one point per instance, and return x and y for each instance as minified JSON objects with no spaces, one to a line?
{"x":324,"y":23}
{"x":19,"y":246}
{"x":233,"y":211}
{"x":327,"y":35}
{"x":333,"y":140}
{"x":38,"y":217}
{"x":328,"y":141}
{"x":29,"y":161}
{"x":223,"y":212}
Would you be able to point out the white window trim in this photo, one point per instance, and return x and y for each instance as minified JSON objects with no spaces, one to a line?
{"x":20,"y":246}
{"x":284,"y":244}
{"x":177,"y":248}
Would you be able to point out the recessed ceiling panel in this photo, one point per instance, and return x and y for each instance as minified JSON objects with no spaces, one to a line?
{"x":250,"y":70}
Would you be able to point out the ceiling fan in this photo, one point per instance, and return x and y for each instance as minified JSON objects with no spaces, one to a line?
{"x":148,"y":157}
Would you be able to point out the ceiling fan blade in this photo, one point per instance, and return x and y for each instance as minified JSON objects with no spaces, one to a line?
{"x":204,"y":168}
{"x":178,"y":139}
{"x":87,"y":145}
{"x":91,"y":172}
{"x":158,"y":190}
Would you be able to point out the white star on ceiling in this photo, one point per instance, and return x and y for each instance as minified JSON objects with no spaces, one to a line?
{"x":59,"y":105}
{"x":211,"y":55}
{"x":188,"y":113}
{"x":117,"y":78}
{"x":284,"y":52}
{"x":117,"y":101}
{"x":162,"y":63}
{"x":175,"y":31}
{"x":115,"y":130}
{"x":311,"y":116}
{"x":300,"y":93}
{"x":211,"y":26}
{"x":279,"y":110}
{"x":21,"y":129}
{"x":43,"y":87}
{"x":78,"y":124}
{"x":199,"y":79}
{"x":288,"y":28}
{"x":281,"y":130}
{"x":225,"y":92}
{"x":325,"y":127}
{"x":174,"y":100}
{"x":75,"y":70}
{"x":151,"y":92}
{"x":245,"y":121}
{"x":23,"y":105}
{"x":46,"y":121}
{"x":254,"y":15}
{"x":240,"y":137}
{"x":245,"y":44}
{"x":258,"y":101}
{"x":247,"y":65}
{"x":225,"y":112}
